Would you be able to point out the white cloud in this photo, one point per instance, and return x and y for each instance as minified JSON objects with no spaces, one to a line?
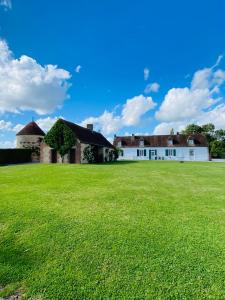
{"x":44,"y":123}
{"x":152,"y":87}
{"x":215,"y":116}
{"x":7,"y":144}
{"x":78,"y":68}
{"x":200,"y":103}
{"x":131,"y":114}
{"x":137,"y":133}
{"x":7,"y":4}
{"x":146,"y":73}
{"x":5,"y":126}
{"x":135,"y":108}
{"x":190,"y":102}
{"x":165,"y":127}
{"x":26,"y":85}
{"x":182,"y":103}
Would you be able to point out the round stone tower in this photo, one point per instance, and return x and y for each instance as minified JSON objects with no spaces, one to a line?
{"x":30,"y":136}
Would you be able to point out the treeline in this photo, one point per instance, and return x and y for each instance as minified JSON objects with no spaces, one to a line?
{"x":216,"y":138}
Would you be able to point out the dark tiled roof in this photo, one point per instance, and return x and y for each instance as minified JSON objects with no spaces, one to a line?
{"x":179,"y":140}
{"x":31,"y":129}
{"x":88,"y":136}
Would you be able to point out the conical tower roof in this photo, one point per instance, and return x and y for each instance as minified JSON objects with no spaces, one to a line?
{"x":31,"y":129}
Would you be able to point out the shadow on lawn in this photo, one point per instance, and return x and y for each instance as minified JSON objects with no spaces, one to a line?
{"x":120,"y":163}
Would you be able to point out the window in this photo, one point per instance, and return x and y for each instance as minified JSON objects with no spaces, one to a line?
{"x":141,"y":143}
{"x":191,"y":152}
{"x":191,"y":142}
{"x":170,"y":152}
{"x":121,"y":152}
{"x":170,"y":142}
{"x":141,"y":152}
{"x":119,"y":144}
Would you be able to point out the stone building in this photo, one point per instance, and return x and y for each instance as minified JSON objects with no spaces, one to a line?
{"x":30,"y":137}
{"x":102,"y":149}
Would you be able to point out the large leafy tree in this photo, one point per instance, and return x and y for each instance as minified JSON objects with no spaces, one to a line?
{"x":215,"y":138}
{"x":218,"y":149}
{"x":192,"y":129}
{"x":61,"y":138}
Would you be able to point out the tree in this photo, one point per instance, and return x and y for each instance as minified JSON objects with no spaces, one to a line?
{"x":208,"y":128}
{"x":218,"y":149}
{"x":192,"y":129}
{"x":220,"y":134}
{"x":215,"y":138}
{"x":61,"y":138}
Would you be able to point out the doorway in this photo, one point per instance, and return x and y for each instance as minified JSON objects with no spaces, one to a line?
{"x":53,"y":156}
{"x":152,"y":154}
{"x":72,"y":156}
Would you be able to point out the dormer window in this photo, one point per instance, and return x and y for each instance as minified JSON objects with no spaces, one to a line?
{"x":191,"y":142}
{"x":141,"y":143}
{"x":170,"y":142}
{"x":119,"y":144}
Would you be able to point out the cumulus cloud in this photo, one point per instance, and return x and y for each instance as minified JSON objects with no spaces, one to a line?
{"x":152,"y":87}
{"x":27,"y":85}
{"x":183,"y":103}
{"x":78,"y":68}
{"x":146,"y":73}
{"x":165,"y":127}
{"x":131,"y":115}
{"x":7,"y":4}
{"x":135,"y":108}
{"x":7,"y":144}
{"x":44,"y":123}
{"x":190,"y":102}
{"x":199,"y":103}
{"x":5,"y":126}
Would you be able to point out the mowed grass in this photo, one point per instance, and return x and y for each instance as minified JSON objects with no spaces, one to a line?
{"x":126,"y":230}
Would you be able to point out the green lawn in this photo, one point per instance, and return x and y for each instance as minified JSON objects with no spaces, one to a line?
{"x":129,"y":230}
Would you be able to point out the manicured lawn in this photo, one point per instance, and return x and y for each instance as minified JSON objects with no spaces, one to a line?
{"x":147,"y":230}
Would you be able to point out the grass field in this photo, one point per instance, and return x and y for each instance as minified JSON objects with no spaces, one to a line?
{"x":129,"y":230}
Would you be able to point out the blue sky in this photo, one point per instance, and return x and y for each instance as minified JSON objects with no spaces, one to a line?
{"x":179,"y":44}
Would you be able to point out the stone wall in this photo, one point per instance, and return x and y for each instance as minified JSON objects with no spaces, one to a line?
{"x":28,"y":141}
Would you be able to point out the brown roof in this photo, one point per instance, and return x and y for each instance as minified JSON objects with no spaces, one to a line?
{"x":179,"y":140}
{"x":31,"y":129}
{"x":88,"y":136}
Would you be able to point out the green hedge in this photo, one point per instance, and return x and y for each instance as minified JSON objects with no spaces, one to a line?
{"x":15,"y":156}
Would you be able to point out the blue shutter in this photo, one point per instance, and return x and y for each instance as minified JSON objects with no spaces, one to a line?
{"x":166,"y":152}
{"x":144,"y":152}
{"x":137,"y":152}
{"x":174,"y":152}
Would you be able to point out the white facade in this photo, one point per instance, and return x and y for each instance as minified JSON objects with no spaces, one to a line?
{"x":165,"y":153}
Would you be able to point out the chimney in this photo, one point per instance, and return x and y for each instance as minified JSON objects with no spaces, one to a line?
{"x":178,"y":132}
{"x":90,"y":127}
{"x":132,"y":137}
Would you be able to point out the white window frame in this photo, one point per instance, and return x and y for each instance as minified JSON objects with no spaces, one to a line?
{"x":141,"y":143}
{"x":191,"y":142}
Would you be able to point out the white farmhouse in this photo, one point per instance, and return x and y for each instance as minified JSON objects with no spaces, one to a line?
{"x":163,"y":147}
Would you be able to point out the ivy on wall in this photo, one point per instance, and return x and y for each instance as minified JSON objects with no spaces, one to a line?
{"x":88,"y":154}
{"x":61,"y":138}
